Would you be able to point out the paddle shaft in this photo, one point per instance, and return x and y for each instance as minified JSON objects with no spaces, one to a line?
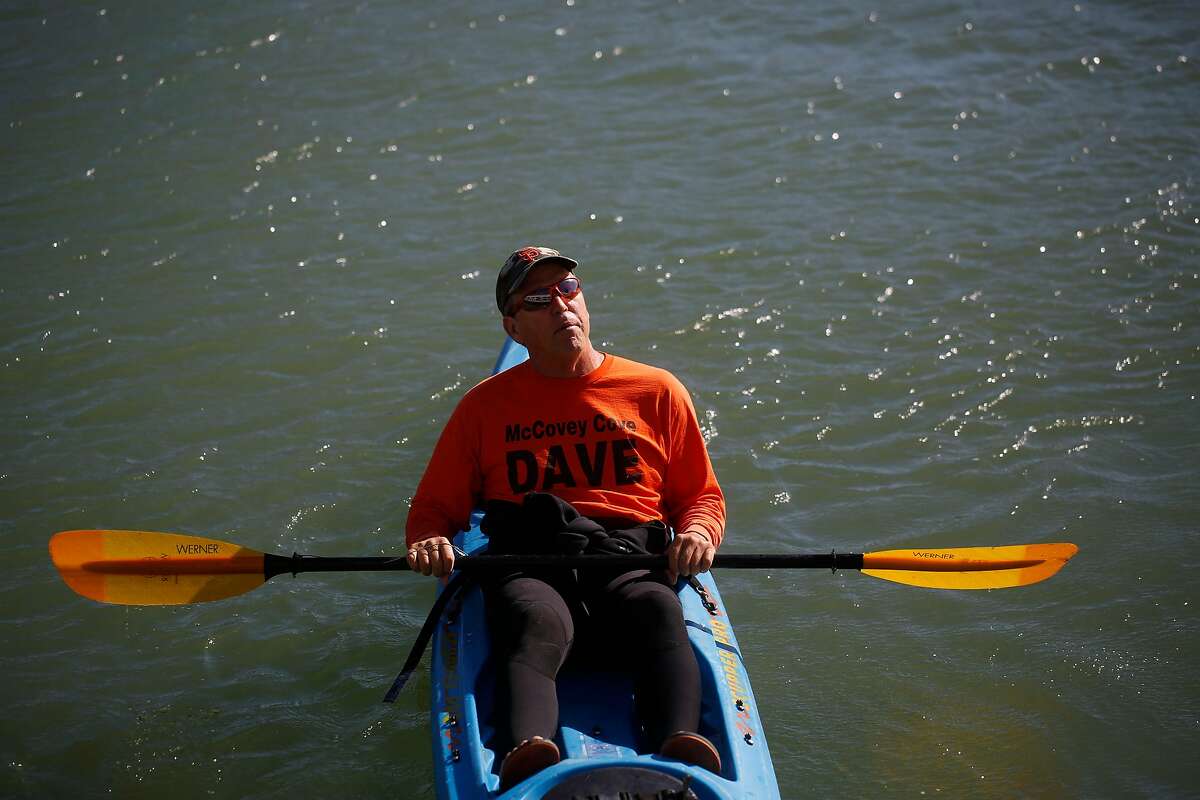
{"x":154,"y":568}
{"x":279,"y":565}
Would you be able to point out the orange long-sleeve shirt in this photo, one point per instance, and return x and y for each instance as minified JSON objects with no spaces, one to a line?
{"x":622,"y":441}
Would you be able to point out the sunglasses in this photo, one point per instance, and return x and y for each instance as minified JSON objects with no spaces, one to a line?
{"x":567,"y":288}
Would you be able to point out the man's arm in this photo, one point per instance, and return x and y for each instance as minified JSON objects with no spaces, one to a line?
{"x":447,"y":493}
{"x":691,"y":488}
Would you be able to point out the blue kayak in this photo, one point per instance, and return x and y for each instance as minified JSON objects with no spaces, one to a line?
{"x":598,"y":731}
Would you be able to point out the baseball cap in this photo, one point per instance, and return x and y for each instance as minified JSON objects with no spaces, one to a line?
{"x":518,"y":265}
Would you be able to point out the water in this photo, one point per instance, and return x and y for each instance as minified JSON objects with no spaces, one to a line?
{"x":929,"y":273}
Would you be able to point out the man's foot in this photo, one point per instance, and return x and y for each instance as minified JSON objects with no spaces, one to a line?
{"x":529,"y":757}
{"x":692,"y":748}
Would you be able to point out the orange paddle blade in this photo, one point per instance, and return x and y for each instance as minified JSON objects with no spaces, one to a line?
{"x":146,"y":568}
{"x":970,"y":567}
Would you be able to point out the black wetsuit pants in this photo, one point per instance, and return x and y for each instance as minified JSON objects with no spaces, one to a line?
{"x":633,"y":621}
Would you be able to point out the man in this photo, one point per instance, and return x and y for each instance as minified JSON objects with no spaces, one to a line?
{"x":572,"y":432}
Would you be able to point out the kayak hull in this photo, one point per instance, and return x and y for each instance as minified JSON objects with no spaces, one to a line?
{"x":598,"y":734}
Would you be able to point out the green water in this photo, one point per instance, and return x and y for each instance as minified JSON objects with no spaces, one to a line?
{"x":929,"y":272}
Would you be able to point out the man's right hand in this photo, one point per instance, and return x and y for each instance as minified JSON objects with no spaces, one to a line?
{"x":433,"y":556}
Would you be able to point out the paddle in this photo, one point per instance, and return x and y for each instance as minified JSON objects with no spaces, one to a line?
{"x":147,"y":568}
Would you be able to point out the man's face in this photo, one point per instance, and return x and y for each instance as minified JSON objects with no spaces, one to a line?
{"x":561,"y":328}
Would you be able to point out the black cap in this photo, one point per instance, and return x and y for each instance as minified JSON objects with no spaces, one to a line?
{"x":518,"y":265}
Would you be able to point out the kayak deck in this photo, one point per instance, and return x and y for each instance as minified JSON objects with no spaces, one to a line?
{"x":598,"y":729}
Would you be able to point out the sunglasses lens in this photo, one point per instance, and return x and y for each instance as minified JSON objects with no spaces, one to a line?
{"x":567,"y":289}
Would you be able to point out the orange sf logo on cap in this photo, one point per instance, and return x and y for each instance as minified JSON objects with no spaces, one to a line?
{"x":530,"y":254}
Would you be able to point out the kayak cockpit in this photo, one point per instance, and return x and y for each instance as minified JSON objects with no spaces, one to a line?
{"x":598,"y":730}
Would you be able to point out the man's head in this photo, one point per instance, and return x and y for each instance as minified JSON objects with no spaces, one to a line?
{"x":553,"y":322}
{"x":517,"y":268}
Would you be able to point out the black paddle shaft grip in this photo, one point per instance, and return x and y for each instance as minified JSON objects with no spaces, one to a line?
{"x":277,"y":565}
{"x":295,"y":564}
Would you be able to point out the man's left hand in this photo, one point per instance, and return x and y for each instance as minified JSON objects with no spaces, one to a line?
{"x":689,"y":553}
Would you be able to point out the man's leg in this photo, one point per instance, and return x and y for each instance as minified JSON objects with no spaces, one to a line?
{"x":643,"y":617}
{"x":532,"y":633}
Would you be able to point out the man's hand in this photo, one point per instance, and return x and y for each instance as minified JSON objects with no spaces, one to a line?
{"x":689,"y":553}
{"x":433,"y":556}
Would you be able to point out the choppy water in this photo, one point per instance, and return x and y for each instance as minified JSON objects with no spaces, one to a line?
{"x":930,"y":273}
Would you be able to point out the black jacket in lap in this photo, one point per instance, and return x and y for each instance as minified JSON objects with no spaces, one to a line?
{"x":545,"y":524}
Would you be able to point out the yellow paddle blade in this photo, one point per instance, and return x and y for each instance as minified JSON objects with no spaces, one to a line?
{"x":970,"y":567}
{"x":146,"y":568}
